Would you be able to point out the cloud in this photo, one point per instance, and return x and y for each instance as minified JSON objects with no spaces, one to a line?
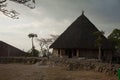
{"x":16,"y":33}
{"x":45,"y":26}
{"x":54,"y":16}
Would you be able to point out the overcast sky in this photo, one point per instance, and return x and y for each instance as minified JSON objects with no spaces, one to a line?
{"x":54,"y":16}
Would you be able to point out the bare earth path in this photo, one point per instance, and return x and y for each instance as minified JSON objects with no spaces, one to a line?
{"x":34,"y":72}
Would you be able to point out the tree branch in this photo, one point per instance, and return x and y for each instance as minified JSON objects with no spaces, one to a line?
{"x":2,"y":1}
{"x":13,"y":13}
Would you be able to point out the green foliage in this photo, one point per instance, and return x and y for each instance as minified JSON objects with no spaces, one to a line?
{"x":32,"y":35}
{"x":114,"y":37}
{"x":99,"y":38}
{"x":34,"y":52}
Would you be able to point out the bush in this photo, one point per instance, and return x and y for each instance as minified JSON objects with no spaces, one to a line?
{"x":33,"y":52}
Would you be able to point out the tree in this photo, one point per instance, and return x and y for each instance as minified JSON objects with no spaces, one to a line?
{"x":32,"y":35}
{"x":41,"y":43}
{"x":13,"y":13}
{"x":114,"y":37}
{"x":99,"y":42}
{"x":45,"y":43}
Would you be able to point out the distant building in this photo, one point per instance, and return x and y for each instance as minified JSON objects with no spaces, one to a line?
{"x":7,"y":50}
{"x":78,"y":40}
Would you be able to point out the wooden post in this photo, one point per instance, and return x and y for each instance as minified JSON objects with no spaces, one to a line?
{"x":54,"y":52}
{"x":61,"y":53}
{"x":77,"y":53}
{"x":72,"y":53}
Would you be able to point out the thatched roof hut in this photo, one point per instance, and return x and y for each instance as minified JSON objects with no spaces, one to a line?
{"x":7,"y":50}
{"x":79,"y":37}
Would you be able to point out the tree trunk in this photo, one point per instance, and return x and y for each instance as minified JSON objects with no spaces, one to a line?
{"x":32,"y":45}
{"x":99,"y":54}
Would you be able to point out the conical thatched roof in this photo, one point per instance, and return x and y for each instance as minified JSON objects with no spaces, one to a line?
{"x":8,"y":50}
{"x":80,"y":34}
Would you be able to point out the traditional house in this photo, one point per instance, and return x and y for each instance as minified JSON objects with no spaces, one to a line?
{"x":7,"y":50}
{"x":78,"y":40}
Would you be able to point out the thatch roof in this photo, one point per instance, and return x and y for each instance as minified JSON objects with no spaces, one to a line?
{"x":9,"y":50}
{"x":80,"y":34}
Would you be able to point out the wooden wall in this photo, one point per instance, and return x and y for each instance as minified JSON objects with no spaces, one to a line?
{"x":89,"y":54}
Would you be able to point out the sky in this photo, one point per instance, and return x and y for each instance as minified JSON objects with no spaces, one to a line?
{"x":53,"y":17}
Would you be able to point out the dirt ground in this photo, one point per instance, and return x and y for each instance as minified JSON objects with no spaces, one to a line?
{"x":35,"y":72}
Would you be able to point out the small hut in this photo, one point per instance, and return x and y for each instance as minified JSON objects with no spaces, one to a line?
{"x":7,"y":50}
{"x":78,"y":40}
